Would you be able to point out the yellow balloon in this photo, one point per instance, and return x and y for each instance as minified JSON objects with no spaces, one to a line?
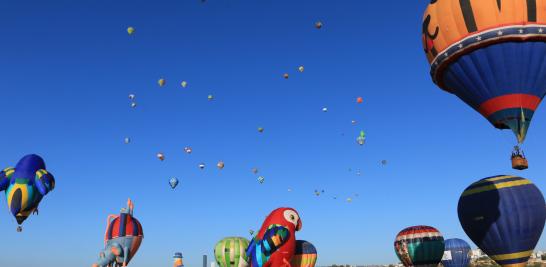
{"x":130,"y":30}
{"x":161,"y":82}
{"x":184,"y":84}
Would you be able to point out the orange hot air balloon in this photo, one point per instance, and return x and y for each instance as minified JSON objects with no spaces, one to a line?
{"x":359,"y":100}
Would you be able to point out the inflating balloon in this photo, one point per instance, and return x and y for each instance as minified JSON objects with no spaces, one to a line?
{"x":456,"y":253}
{"x":490,"y":54}
{"x":123,"y":237}
{"x":504,"y":216}
{"x":25,"y":186}
{"x":230,"y":252}
{"x":419,"y":246}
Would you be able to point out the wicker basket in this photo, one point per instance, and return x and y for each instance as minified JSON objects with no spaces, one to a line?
{"x":519,"y":163}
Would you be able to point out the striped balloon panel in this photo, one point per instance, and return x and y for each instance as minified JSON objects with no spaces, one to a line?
{"x":305,"y":255}
{"x":124,"y":225}
{"x":419,"y":246}
{"x":457,"y":253}
{"x":504,"y":216}
{"x":231,"y":252}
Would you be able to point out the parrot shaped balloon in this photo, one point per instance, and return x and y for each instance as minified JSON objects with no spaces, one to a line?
{"x":25,"y":186}
{"x":122,"y":239}
{"x":275,"y":243}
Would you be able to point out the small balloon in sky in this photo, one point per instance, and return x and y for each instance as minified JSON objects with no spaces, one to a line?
{"x":201,"y":166}
{"x":160,"y":156}
{"x":133,"y":104}
{"x":361,"y":139}
{"x":324,"y":109}
{"x":359,"y":100}
{"x":210,"y":97}
{"x":384,"y":162}
{"x":251,"y":232}
{"x":285,"y":75}
{"x":131,"y":96}
{"x":127,"y":140}
{"x":301,"y":68}
{"x":349,"y":200}
{"x":188,"y":150}
{"x":318,"y":24}
{"x":353,"y":122}
{"x":184,"y":84}
{"x":260,"y":129}
{"x":255,"y":170}
{"x":261,"y":179}
{"x":220,"y":165}
{"x":173,"y":182}
{"x":289,"y":189}
{"x":130,"y":30}
{"x":161,"y":82}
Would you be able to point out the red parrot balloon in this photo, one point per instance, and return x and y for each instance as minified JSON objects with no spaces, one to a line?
{"x":275,"y":243}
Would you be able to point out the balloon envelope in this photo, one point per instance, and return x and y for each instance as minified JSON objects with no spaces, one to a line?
{"x":504,"y":216}
{"x":456,"y":253}
{"x":419,"y":246}
{"x":173,"y":182}
{"x":305,"y":256}
{"x":231,"y":252}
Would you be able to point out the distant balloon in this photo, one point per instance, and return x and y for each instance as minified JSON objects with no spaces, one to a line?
{"x":504,"y":216}
{"x":456,"y":253}
{"x":359,"y":100}
{"x":201,"y":166}
{"x":131,"y":96}
{"x":301,"y":68}
{"x":230,"y":252}
{"x":173,"y":182}
{"x":419,"y":246}
{"x":127,"y":140}
{"x":353,"y":122}
{"x":318,"y":24}
{"x":349,"y":200}
{"x":160,"y":156}
{"x":251,"y":232}
{"x":220,"y":165}
{"x":210,"y":97}
{"x":130,"y":30}
{"x":384,"y":162}
{"x":260,"y":129}
{"x":361,"y":139}
{"x":188,"y":150}
{"x":161,"y":82}
{"x":133,"y":104}
{"x":184,"y":84}
{"x":324,"y":109}
{"x":289,"y":189}
{"x":305,"y":256}
{"x":261,"y":179}
{"x":285,"y":75}
{"x":178,"y":259}
{"x":255,"y":170}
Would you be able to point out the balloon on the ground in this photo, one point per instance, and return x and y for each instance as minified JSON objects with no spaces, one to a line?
{"x":305,"y":255}
{"x":419,"y":246}
{"x":122,"y":240}
{"x":456,"y":253}
{"x":489,"y":54}
{"x":504,"y":216}
{"x":25,"y":186}
{"x":275,"y":243}
{"x":230,"y":252}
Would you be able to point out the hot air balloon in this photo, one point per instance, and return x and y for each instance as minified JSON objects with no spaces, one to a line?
{"x":353,"y":122}
{"x":173,"y":182}
{"x":251,"y":232}
{"x":349,"y":200}
{"x":210,"y":97}
{"x":305,"y":256}
{"x":504,"y":216}
{"x":161,"y":82}
{"x":133,"y":104}
{"x":301,"y":68}
{"x":456,"y":253}
{"x":318,"y":24}
{"x":123,"y":237}
{"x":260,"y":129}
{"x":230,"y":252}
{"x":220,"y":165}
{"x":285,"y":75}
{"x":130,"y":30}
{"x":188,"y":150}
{"x":127,"y":140}
{"x":261,"y":179}
{"x":255,"y":170}
{"x":25,"y":186}
{"x":361,"y":139}
{"x":419,"y":246}
{"x":184,"y":84}
{"x":132,"y":96}
{"x":201,"y":166}
{"x":324,"y":109}
{"x":490,"y":55}
{"x":160,"y":156}
{"x":178,"y":259}
{"x":384,"y":162}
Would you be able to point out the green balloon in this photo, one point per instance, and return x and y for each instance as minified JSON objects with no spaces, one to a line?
{"x":231,"y":252}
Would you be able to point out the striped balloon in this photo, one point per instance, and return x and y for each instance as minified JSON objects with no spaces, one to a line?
{"x":230,"y":252}
{"x":305,"y":256}
{"x":504,"y":216}
{"x":419,"y":246}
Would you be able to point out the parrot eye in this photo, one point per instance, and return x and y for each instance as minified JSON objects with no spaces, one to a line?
{"x":291,"y":216}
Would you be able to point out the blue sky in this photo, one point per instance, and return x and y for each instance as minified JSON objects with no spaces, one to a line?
{"x":67,"y":68}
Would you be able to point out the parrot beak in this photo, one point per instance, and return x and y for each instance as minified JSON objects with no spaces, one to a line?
{"x":298,"y":227}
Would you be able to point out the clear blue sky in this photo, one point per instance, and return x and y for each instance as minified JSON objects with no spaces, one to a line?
{"x":66,"y":68}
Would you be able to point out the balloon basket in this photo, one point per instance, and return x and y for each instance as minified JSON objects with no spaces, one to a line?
{"x":19,"y":229}
{"x":519,"y":163}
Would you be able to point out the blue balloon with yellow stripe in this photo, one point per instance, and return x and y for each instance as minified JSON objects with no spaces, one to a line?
{"x":504,"y":216}
{"x":25,"y":186}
